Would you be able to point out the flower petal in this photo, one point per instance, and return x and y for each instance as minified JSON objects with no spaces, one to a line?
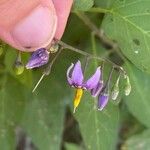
{"x":95,"y":91}
{"x":68,"y":74}
{"x":102,"y":101}
{"x":39,"y":58}
{"x":77,"y":98}
{"x":94,"y":80}
{"x":77,"y":74}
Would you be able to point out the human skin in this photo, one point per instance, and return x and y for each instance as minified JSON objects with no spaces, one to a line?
{"x":31,"y":24}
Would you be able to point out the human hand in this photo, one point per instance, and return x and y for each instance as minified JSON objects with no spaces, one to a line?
{"x":28,"y":25}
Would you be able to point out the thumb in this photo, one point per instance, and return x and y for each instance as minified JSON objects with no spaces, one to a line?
{"x":27,"y":25}
{"x":62,"y":9}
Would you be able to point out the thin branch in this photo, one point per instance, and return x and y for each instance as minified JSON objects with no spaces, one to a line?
{"x":66,"y":46}
{"x":98,"y":32}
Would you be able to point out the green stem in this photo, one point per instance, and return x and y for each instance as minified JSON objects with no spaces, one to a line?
{"x":94,"y":46}
{"x":100,"y":10}
{"x":98,"y":32}
{"x":66,"y":46}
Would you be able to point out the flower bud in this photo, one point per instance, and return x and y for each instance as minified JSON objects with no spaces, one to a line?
{"x":39,"y":58}
{"x":102,"y":101}
{"x":54,"y":48}
{"x":127,"y":86}
{"x":115,"y":90}
{"x":18,"y":67}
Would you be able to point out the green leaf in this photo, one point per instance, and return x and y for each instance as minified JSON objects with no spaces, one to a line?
{"x":127,"y":22}
{"x":99,"y":129}
{"x":138,"y":101}
{"x":72,"y":147}
{"x":43,"y":119}
{"x":83,"y":4}
{"x":40,"y":115}
{"x":140,"y":141}
{"x":12,"y":103}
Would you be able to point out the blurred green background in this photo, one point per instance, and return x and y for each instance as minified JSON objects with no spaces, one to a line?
{"x":43,"y":120}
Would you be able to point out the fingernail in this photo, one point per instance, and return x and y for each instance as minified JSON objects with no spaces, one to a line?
{"x":37,"y":29}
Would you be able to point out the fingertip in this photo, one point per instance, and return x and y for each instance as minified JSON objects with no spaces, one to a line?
{"x":35,"y":30}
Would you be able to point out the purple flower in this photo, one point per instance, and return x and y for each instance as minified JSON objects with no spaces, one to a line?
{"x":102,"y":101}
{"x":76,"y":79}
{"x":96,"y":91}
{"x":39,"y":58}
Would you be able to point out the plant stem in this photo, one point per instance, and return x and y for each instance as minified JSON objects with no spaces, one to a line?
{"x":18,"y":57}
{"x":66,"y":46}
{"x":98,"y":32}
{"x":93,"y":42}
{"x":100,"y":10}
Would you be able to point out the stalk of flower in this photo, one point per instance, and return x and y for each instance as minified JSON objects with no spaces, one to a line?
{"x":75,"y":79}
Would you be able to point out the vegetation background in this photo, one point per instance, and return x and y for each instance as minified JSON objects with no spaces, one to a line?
{"x":44,"y":120}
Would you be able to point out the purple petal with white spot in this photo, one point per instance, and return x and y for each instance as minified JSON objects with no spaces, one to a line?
{"x":94,"y":80}
{"x":39,"y":58}
{"x":96,"y":91}
{"x":77,"y":74}
{"x":69,"y":79}
{"x":102,"y":101}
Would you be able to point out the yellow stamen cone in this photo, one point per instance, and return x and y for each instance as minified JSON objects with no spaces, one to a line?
{"x":77,"y":98}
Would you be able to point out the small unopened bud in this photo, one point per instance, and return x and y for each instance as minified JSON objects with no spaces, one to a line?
{"x":127,"y":86}
{"x":39,"y":58}
{"x":18,"y":65}
{"x":102,"y":101}
{"x":54,"y":48}
{"x":18,"y":68}
{"x":115,"y":90}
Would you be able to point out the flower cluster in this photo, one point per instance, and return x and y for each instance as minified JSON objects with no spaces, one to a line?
{"x":75,"y":79}
{"x":75,"y":76}
{"x":94,"y":85}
